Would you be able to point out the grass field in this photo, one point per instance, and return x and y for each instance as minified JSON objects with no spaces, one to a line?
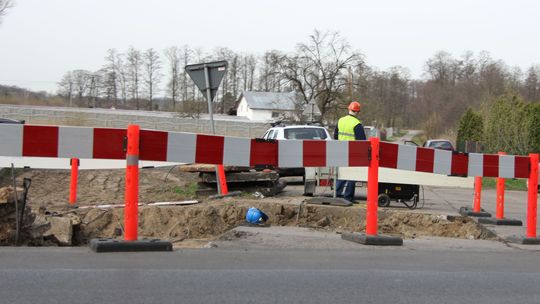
{"x":510,"y":184}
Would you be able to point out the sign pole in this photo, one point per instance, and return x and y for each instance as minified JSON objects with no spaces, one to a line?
{"x":209,"y":98}
{"x":207,"y":77}
{"x":211,"y":113}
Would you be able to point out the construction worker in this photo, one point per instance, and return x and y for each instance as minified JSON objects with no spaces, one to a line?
{"x":349,"y":127}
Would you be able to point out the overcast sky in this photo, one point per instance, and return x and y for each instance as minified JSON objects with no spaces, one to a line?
{"x":42,"y":39}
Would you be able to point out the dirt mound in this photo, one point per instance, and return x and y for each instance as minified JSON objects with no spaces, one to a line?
{"x":187,"y":225}
{"x":9,"y":218}
{"x":211,"y":220}
{"x":51,"y":187}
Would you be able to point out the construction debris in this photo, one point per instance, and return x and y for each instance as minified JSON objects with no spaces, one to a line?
{"x":6,"y":194}
{"x":195,"y":168}
{"x":191,"y":202}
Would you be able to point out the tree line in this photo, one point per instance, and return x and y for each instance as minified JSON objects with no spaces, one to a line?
{"x":509,"y":124}
{"x":324,"y":68}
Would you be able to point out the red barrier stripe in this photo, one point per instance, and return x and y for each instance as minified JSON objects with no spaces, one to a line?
{"x":491,"y":165}
{"x":460,"y":164}
{"x":209,"y":149}
{"x":522,"y":167}
{"x":388,"y":155}
{"x":109,"y":143}
{"x":153,"y":145}
{"x":425,"y":159}
{"x":41,"y":141}
{"x":263,"y":153}
{"x":314,"y":153}
{"x":359,"y":153}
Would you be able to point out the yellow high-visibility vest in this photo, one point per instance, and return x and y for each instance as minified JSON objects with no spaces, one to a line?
{"x":346,"y":125}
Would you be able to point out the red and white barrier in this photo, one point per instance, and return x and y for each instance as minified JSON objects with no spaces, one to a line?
{"x":104,"y":143}
{"x":406,"y":157}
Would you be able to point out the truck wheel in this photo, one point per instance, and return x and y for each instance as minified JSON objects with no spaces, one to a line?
{"x":384,"y":200}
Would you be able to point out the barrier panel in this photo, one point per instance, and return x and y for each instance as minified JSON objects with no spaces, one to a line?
{"x":107,"y":143}
{"x":152,"y":145}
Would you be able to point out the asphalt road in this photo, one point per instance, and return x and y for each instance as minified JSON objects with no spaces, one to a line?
{"x":362,"y":275}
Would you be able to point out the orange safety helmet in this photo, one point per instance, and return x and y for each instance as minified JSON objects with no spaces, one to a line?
{"x":354,"y":106}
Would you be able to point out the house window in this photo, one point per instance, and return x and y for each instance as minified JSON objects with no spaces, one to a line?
{"x":275,"y":114}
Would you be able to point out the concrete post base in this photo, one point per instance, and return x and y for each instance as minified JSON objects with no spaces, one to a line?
{"x":111,"y":245}
{"x":377,"y":240}
{"x":500,"y":222}
{"x":466,"y":211}
{"x":523,"y":240}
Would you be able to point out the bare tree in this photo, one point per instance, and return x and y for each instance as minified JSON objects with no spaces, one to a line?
{"x":270,"y":77}
{"x":230,"y":80}
{"x":4,"y":6}
{"x":66,"y":87}
{"x":134,"y":62}
{"x":249,"y":66}
{"x":111,"y":76}
{"x":317,"y":69}
{"x":152,"y":76}
{"x":122,"y":77}
{"x":81,"y":81}
{"x":94,"y":88}
{"x":173,"y":58}
{"x":184,"y":78}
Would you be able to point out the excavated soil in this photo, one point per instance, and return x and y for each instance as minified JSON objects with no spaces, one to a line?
{"x":194,"y":225}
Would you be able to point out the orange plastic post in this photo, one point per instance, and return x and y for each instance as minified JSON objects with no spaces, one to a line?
{"x":373,"y":188}
{"x":533,"y":197}
{"x":74,"y":162}
{"x":222,"y":180}
{"x":500,"y":195}
{"x":131,"y":216}
{"x":477,"y":193}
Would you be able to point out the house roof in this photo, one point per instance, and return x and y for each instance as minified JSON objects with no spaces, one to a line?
{"x":270,"y":100}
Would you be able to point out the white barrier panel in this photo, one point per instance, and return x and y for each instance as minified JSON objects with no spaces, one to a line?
{"x":387,"y":175}
{"x":63,"y":163}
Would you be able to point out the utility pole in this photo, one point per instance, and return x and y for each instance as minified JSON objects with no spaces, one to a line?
{"x":350,"y":84}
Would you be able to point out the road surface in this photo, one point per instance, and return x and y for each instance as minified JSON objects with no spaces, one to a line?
{"x":359,"y":275}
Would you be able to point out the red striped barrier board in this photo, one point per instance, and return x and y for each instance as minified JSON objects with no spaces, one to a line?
{"x":107,"y":143}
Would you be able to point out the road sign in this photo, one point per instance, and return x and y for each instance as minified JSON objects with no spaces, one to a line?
{"x":216,"y":71}
{"x":207,"y":77}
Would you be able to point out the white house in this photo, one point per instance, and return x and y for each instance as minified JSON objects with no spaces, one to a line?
{"x":266,"y":106}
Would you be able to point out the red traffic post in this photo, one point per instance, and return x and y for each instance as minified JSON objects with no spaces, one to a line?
{"x":532,"y":203}
{"x":533,"y":197}
{"x":131,"y":210}
{"x":371,"y":237}
{"x":499,"y":216}
{"x":499,"y":213}
{"x":74,"y":162}
{"x":477,"y":193}
{"x":477,"y":210}
{"x":373,"y":188}
{"x":222,"y":180}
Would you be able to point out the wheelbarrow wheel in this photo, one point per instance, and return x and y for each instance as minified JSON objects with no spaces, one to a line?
{"x":384,"y":200}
